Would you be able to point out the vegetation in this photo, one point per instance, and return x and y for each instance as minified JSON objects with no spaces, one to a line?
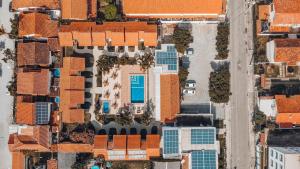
{"x":182,"y":38}
{"x":124,"y":116}
{"x":78,"y":133}
{"x":183,"y":74}
{"x":222,"y":41}
{"x":219,"y":84}
{"x":2,"y":30}
{"x":260,"y":49}
{"x":14,"y":28}
{"x":126,"y":60}
{"x":145,"y":61}
{"x":110,"y":12}
{"x":131,"y":165}
{"x":105,"y":63}
{"x":12,"y":86}
{"x":222,"y":156}
{"x":9,"y":55}
{"x":259,"y":119}
{"x":82,"y":160}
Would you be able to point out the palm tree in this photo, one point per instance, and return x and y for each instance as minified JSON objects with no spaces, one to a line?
{"x":115,"y":104}
{"x":117,"y":95}
{"x":114,"y":75}
{"x":105,"y":82}
{"x":2,"y":30}
{"x":145,"y":61}
{"x":107,"y":94}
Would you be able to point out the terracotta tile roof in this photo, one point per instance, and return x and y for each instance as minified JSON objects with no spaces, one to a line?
{"x":178,"y":8}
{"x":288,"y":118}
{"x":18,"y":160}
{"x":100,"y":141}
{"x":287,"y":50}
{"x":153,"y":145}
{"x":119,"y":142}
{"x":288,"y":104}
{"x":117,"y":33}
{"x":263,"y":12}
{"x":50,"y":4}
{"x":33,"y":53}
{"x":286,"y":12}
{"x":133,"y":142}
{"x":53,"y":44}
{"x":34,"y":138}
{"x":74,"y":148}
{"x":37,"y":25}
{"x":74,"y":9}
{"x":33,"y":83}
{"x":72,"y":90}
{"x":279,"y":29}
{"x":169,"y":88}
{"x":52,"y":164}
{"x":25,"y":113}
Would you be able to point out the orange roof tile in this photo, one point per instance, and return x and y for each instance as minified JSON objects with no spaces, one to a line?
{"x":74,"y":9}
{"x":52,"y":164}
{"x":288,"y":104}
{"x":119,"y":142}
{"x":65,"y":38}
{"x":98,"y":38}
{"x":33,"y":83}
{"x":133,"y":142}
{"x":50,"y":4}
{"x":53,"y":44}
{"x":263,"y":12}
{"x":25,"y":113}
{"x":33,"y":53}
{"x":287,"y":50}
{"x":72,"y":65}
{"x":279,"y":29}
{"x":286,"y":12}
{"x":18,"y":160}
{"x":82,"y":38}
{"x":169,"y":88}
{"x":175,"y":8}
{"x":37,"y":25}
{"x":288,"y":118}
{"x":69,"y":106}
{"x":74,"y":148}
{"x":100,"y":141}
{"x":153,"y":141}
{"x":34,"y":138}
{"x":131,"y":38}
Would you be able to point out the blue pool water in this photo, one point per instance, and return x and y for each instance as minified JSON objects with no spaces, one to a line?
{"x":105,"y":107}
{"x":137,"y":88}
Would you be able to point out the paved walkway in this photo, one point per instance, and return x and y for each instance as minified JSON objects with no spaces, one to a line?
{"x":6,"y":102}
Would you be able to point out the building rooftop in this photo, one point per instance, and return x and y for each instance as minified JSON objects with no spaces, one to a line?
{"x":18,"y":160}
{"x":284,"y":138}
{"x":37,"y":25}
{"x":170,"y":8}
{"x":286,"y":12}
{"x":34,"y":82}
{"x":78,"y":9}
{"x":169,"y":88}
{"x":33,"y":53}
{"x":49,"y":4}
{"x":287,"y":50}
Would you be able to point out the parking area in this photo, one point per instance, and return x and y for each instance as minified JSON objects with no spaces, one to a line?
{"x":200,"y":61}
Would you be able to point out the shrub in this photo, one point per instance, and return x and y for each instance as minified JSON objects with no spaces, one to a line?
{"x":219,"y":84}
{"x":182,"y":38}
{"x":105,"y":63}
{"x":183,"y":74}
{"x":110,"y":12}
{"x":222,"y":41}
{"x":14,"y":28}
{"x":145,"y":61}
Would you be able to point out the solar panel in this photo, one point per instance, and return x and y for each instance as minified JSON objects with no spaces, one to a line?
{"x":202,"y":136}
{"x":205,"y":159}
{"x":42,"y":112}
{"x":171,"y":145}
{"x":168,"y":58}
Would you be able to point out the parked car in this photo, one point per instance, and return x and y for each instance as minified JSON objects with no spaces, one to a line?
{"x":190,"y":51}
{"x":189,"y":91}
{"x":190,"y":84}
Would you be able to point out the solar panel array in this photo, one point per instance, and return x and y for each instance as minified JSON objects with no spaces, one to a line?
{"x":171,"y":145}
{"x":204,"y":159}
{"x":167,"y":58}
{"x":42,"y":112}
{"x":202,"y":136}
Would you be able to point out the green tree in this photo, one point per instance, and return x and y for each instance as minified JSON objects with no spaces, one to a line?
{"x":222,"y":39}
{"x":183,"y":74}
{"x":105,"y":63}
{"x":110,"y":12}
{"x":182,"y":38}
{"x":14,"y":28}
{"x":146,"y":60}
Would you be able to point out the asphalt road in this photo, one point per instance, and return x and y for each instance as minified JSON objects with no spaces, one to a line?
{"x":240,"y":126}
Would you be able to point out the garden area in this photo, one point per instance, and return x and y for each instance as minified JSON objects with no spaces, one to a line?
{"x":219,"y":84}
{"x":108,"y":10}
{"x":182,"y":38}
{"x":222,"y":41}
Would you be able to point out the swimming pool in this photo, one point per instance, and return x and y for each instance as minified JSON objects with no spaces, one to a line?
{"x":137,"y":83}
{"x":105,"y":107}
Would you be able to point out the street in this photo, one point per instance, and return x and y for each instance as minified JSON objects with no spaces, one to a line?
{"x":6,"y":101}
{"x":239,"y":139}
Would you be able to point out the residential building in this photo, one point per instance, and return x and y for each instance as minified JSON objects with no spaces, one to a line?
{"x":18,"y":160}
{"x":33,"y":82}
{"x":37,"y":25}
{"x":197,"y":145}
{"x":33,"y":53}
{"x":108,"y":34}
{"x":32,"y":138}
{"x":284,"y":157}
{"x":36,"y":113}
{"x":78,"y":9}
{"x":72,"y":90}
{"x":26,"y":5}
{"x":281,"y":16}
{"x":175,"y":9}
